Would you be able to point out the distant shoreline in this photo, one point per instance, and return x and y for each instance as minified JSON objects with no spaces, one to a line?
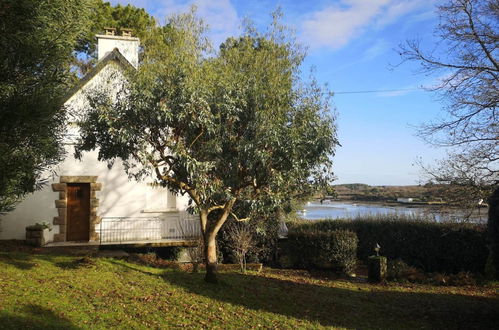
{"x":395,"y":203}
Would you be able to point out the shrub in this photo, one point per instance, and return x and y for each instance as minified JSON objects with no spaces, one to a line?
{"x":241,"y":241}
{"x":462,"y":279}
{"x":430,"y":246}
{"x":264,"y":232}
{"x":400,"y":271}
{"x":166,"y":253}
{"x":313,"y":249}
{"x":196,"y":254}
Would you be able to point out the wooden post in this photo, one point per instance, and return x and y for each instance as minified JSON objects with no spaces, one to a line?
{"x":376,"y":269}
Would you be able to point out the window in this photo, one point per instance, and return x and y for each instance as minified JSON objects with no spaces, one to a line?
{"x":159,"y":199}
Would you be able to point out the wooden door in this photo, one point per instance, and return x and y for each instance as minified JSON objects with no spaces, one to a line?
{"x":78,"y":212}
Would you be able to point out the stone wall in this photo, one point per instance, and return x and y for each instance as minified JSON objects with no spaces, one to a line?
{"x":34,"y":235}
{"x":61,"y":205}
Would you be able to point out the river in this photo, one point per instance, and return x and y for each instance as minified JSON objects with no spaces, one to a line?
{"x":350,"y":210}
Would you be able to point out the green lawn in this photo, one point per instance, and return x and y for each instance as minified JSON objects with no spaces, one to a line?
{"x":47,"y":291}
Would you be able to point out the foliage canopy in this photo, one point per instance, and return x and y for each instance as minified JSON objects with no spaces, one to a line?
{"x":37,"y":39}
{"x":103,"y":15}
{"x":232,"y":128}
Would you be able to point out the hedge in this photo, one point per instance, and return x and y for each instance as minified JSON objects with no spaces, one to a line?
{"x":430,"y":246}
{"x":312,"y":249}
{"x":493,"y":233}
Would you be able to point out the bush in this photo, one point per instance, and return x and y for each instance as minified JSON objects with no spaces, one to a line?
{"x":313,"y":249}
{"x":166,"y":253}
{"x":399,"y":271}
{"x":264,"y":232}
{"x":169,"y":252}
{"x":430,"y":246}
{"x":241,"y":241}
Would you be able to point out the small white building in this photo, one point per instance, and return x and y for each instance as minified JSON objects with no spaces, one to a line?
{"x":88,"y":203}
{"x":405,"y":200}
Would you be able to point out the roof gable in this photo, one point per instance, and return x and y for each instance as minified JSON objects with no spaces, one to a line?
{"x":115,"y":55}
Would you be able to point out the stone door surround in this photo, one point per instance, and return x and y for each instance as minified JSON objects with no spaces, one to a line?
{"x":61,"y":204}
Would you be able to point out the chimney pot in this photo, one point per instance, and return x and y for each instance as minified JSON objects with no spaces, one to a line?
{"x":110,"y":31}
{"x":126,"y":32}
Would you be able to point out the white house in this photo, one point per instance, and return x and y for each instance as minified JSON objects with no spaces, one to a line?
{"x":405,"y":200}
{"x":88,"y":203}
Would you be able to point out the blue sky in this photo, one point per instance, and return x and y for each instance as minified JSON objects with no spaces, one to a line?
{"x":352,"y":45}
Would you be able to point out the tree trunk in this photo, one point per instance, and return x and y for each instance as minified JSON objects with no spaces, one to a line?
{"x":210,"y":231}
{"x":210,"y":250}
{"x":493,"y":233}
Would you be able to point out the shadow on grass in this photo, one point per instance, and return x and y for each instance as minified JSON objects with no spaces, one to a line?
{"x":359,"y":307}
{"x":34,"y":317}
{"x":21,"y":261}
{"x":84,"y":262}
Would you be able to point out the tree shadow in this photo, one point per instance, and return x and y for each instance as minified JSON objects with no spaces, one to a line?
{"x":360,"y":307}
{"x":23,"y":261}
{"x":34,"y":317}
{"x":19,"y":260}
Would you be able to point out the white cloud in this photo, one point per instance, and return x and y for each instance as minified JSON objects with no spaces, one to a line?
{"x":222,"y":18}
{"x":396,"y":10}
{"x":378,"y":48}
{"x":336,"y":25}
{"x":220,"y":15}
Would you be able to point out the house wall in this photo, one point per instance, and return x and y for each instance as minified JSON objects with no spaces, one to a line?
{"x":118,"y":196}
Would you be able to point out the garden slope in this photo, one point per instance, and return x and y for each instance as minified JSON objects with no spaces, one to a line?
{"x":46,"y":291}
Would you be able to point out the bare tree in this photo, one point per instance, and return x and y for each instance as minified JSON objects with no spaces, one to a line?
{"x":196,"y":250}
{"x":466,"y":57}
{"x":196,"y":254}
{"x":241,"y":241}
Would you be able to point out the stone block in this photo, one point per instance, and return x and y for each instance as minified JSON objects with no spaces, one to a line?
{"x":62,"y":229}
{"x":96,"y":186}
{"x":61,"y":214}
{"x":376,"y":269}
{"x":94,"y":236}
{"x":78,"y":179}
{"x":34,"y":233}
{"x":58,"y":186}
{"x":60,"y":203}
{"x":59,"y":237}
{"x":95,"y":220}
{"x":94,"y":203}
{"x":62,"y":195}
{"x":34,"y":241}
{"x":59,"y":221}
{"x":35,"y":227}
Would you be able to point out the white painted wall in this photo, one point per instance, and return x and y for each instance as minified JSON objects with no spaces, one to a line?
{"x":128,"y":47}
{"x":119,"y":197}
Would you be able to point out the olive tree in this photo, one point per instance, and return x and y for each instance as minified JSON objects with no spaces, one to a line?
{"x":229,"y":128}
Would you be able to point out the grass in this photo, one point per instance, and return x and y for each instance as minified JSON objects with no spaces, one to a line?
{"x":55,"y":291}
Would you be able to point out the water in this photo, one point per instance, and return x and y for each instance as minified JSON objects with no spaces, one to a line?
{"x":350,"y":210}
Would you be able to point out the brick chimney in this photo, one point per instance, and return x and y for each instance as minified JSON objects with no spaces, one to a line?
{"x":126,"y":44}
